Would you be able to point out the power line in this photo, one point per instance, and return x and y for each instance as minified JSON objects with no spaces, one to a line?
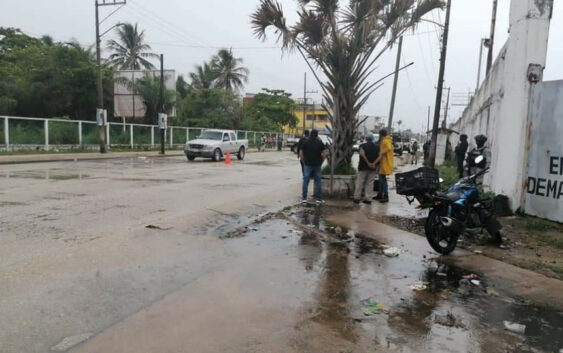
{"x":410,"y":85}
{"x":212,"y":47}
{"x":171,"y":25}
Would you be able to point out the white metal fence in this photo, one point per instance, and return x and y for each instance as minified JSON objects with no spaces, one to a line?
{"x":21,"y":133}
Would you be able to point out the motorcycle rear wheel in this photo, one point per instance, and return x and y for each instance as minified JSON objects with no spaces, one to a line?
{"x":440,"y":238}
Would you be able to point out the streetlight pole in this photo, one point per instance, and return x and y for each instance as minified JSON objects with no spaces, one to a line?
{"x":480,"y":64}
{"x":100,"y":87}
{"x":492,"y":37}
{"x":437,"y":107}
{"x":395,"y":82}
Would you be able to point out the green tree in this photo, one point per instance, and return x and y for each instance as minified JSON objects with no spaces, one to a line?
{"x":48,"y":80}
{"x":149,"y":89}
{"x":344,"y":42}
{"x":130,"y":52}
{"x":214,"y":108}
{"x":203,"y":77}
{"x":270,"y":111}
{"x":230,"y":75}
{"x":182,"y":87}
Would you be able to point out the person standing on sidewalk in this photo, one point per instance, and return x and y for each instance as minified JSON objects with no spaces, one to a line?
{"x":460,"y":151}
{"x":414,"y":153}
{"x":299,"y":146}
{"x":385,"y":161}
{"x":367,"y":170}
{"x":313,"y":153}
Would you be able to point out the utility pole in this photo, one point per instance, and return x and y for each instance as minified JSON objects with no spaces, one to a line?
{"x":101,"y":127}
{"x":395,"y":82}
{"x":162,"y":107}
{"x":305,"y":103}
{"x":492,"y":37}
{"x":445,"y":122}
{"x":480,"y":64}
{"x":427,"y":124}
{"x":437,"y":107}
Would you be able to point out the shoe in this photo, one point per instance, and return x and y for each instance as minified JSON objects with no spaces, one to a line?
{"x":367,"y":202}
{"x":377,"y":197}
{"x":384,"y":199}
{"x":304,"y":201}
{"x":356,"y":201}
{"x":319,"y":202}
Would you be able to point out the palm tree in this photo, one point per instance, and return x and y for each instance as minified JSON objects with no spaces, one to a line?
{"x":203,"y":77}
{"x":148,"y":87}
{"x":230,"y":75}
{"x":130,"y":52}
{"x":344,"y":43}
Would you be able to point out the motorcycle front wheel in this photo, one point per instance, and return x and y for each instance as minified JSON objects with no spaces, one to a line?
{"x":441,"y":238}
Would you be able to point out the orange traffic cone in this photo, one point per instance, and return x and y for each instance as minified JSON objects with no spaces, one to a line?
{"x":228,"y":158}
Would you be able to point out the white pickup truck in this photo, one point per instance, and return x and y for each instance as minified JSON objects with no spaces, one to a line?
{"x":215,"y":144}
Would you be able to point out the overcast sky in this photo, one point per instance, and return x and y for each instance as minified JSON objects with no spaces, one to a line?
{"x":187,"y":32}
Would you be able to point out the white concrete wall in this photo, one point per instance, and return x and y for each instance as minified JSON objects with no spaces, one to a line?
{"x":501,"y":107}
{"x":544,"y":191}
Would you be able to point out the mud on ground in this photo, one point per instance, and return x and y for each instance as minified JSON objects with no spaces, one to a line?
{"x":534,"y":244}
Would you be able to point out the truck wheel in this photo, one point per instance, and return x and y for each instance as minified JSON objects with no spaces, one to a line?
{"x":241,"y":153}
{"x":217,"y":155}
{"x":191,"y":158}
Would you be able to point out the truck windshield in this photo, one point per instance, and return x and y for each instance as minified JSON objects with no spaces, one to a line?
{"x":211,"y":135}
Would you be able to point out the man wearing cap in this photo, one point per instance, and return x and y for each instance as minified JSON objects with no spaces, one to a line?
{"x":367,"y":171}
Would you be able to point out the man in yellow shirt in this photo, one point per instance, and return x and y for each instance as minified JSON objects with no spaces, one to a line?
{"x":385,"y":161}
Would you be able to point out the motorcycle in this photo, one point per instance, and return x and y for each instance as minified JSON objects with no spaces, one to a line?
{"x":453,"y":212}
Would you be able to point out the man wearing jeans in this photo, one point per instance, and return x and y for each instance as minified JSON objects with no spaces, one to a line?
{"x":385,"y":162}
{"x":312,"y":153}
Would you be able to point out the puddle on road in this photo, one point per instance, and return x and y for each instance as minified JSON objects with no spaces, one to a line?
{"x":45,"y":175}
{"x":449,"y":315}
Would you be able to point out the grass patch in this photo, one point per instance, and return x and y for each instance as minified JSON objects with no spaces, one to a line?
{"x":538,"y":224}
{"x":448,"y":172}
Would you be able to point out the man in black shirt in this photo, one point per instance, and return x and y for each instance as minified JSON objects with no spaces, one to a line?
{"x":312,"y":153}
{"x":367,"y":170}
{"x":299,"y":146}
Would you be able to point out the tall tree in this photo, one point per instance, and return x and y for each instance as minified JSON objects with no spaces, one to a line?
{"x":230,"y":74}
{"x":203,"y":77}
{"x":130,"y":51}
{"x":182,"y":87}
{"x":271,"y":110}
{"x":148,"y":87}
{"x":344,"y":43}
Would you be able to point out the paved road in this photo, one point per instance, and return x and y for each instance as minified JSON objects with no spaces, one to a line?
{"x":76,"y":255}
{"x":129,"y":255}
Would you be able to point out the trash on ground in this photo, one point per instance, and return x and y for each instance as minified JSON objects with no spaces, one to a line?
{"x":514,"y":327}
{"x":476,"y":282}
{"x":449,"y":320}
{"x":471,"y":277}
{"x":391,"y":252}
{"x":441,"y":274}
{"x":433,"y":266}
{"x":298,"y":232}
{"x":152,"y":226}
{"x":69,"y":342}
{"x":338,"y":230}
{"x":253,"y":228}
{"x":371,"y":307}
{"x":478,"y":252}
{"x":419,"y":286}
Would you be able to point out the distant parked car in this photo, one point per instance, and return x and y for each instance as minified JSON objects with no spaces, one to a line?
{"x":215,"y":144}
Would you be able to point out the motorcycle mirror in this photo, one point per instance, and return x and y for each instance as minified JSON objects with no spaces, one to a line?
{"x":441,"y":180}
{"x":479,"y":159}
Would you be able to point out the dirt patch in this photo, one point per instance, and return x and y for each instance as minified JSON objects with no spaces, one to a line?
{"x":534,"y":244}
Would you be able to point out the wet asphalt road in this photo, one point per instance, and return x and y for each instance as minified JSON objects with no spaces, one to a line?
{"x":78,"y":262}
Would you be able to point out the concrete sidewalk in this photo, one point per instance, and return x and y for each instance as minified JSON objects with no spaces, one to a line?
{"x":64,"y":157}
